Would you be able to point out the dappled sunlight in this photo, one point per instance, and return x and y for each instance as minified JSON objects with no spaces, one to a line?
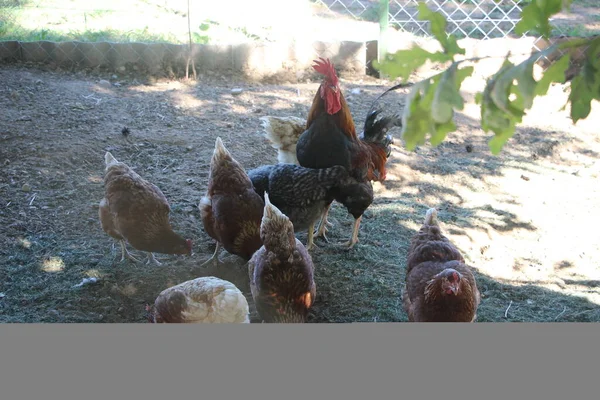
{"x":53,"y":264}
{"x":95,"y":179}
{"x":24,"y":242}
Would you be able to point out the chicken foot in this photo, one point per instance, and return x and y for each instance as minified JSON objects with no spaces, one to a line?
{"x":324,"y":223}
{"x":354,"y":238}
{"x":215,"y":257}
{"x":152,"y":258}
{"x":125,"y":253}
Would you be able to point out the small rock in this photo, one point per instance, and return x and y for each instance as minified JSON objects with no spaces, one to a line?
{"x":525,"y":178}
{"x":39,"y":82}
{"x":258,"y":110}
{"x":6,"y":162}
{"x":189,"y":181}
{"x":114,"y":76}
{"x":104,"y":83}
{"x":189,"y":148}
{"x":469,"y":148}
{"x":355,"y":91}
{"x":529,"y":301}
{"x":26,"y":187}
{"x":121,"y":69}
{"x":117,"y":84}
{"x":236,"y":91}
{"x":2,"y":295}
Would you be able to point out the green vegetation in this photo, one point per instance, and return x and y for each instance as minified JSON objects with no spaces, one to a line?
{"x":509,"y":93}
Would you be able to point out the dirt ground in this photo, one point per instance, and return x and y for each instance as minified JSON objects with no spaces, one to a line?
{"x":524,"y":219}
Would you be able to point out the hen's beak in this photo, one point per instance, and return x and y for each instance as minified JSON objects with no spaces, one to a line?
{"x":454,"y":290}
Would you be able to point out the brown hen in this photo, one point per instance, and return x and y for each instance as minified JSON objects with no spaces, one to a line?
{"x":137,"y":211}
{"x":231,"y":211}
{"x":440,"y":287}
{"x":281,"y":271}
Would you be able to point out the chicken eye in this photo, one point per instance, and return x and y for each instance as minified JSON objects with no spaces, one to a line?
{"x":334,"y":88}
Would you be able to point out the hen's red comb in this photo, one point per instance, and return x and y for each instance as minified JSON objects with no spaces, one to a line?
{"x":325,"y":67}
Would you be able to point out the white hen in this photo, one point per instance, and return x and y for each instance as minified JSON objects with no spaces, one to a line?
{"x":201,"y":300}
{"x":283,"y":134}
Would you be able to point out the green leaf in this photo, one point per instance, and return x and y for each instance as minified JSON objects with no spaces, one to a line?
{"x":447,"y":94}
{"x":585,"y":87}
{"x":493,"y":118}
{"x":405,"y":62}
{"x":441,"y":131}
{"x":535,"y":16}
{"x":554,"y":73}
{"x":438,"y":25}
{"x":204,"y":26}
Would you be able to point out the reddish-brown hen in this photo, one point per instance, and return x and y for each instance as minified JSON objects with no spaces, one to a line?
{"x":231,"y":211}
{"x":281,"y":271}
{"x":440,"y":287}
{"x":136,"y":211}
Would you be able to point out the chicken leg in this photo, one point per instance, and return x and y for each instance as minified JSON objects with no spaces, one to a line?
{"x":214,"y":258}
{"x":354,"y":238}
{"x":310,"y":243}
{"x":324,"y":223}
{"x":125,"y":253}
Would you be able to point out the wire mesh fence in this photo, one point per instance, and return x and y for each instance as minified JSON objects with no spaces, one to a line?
{"x":154,"y":35}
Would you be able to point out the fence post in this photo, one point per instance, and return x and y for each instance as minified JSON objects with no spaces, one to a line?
{"x":384,"y":21}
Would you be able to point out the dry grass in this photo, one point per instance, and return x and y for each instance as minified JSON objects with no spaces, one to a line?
{"x":525,"y":219}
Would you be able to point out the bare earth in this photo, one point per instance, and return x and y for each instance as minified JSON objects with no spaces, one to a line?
{"x":526,"y":219}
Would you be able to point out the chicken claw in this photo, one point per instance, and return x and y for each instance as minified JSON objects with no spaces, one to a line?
{"x":126,"y":254}
{"x":354,"y":239}
{"x":323,"y":224}
{"x":214,"y":258}
{"x":152,"y":258}
{"x":310,"y":243}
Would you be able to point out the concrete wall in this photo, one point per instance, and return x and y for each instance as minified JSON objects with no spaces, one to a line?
{"x":261,"y":61}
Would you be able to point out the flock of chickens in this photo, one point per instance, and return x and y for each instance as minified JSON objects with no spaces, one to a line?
{"x":255,"y":214}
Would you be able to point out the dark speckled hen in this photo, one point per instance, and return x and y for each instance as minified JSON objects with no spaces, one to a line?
{"x":281,"y":271}
{"x":231,"y":210}
{"x":303,"y":194}
{"x":201,"y":300}
{"x":440,"y":287}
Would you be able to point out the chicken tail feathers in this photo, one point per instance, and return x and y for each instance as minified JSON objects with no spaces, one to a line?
{"x":283,"y":134}
{"x":431,"y":217}
{"x":109,"y":160}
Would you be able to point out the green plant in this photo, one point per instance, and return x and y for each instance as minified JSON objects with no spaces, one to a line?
{"x":508,"y":94}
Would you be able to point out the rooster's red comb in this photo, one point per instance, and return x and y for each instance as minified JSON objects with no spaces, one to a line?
{"x":325,"y":67}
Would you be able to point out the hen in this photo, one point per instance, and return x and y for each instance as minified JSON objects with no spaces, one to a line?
{"x":136,"y":211}
{"x":283,"y":133}
{"x":201,"y":300}
{"x":231,"y":210}
{"x":302,"y":194}
{"x":330,"y":136}
{"x":281,"y":271}
{"x":440,"y":287}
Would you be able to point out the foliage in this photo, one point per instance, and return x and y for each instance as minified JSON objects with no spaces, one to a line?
{"x":508,"y":94}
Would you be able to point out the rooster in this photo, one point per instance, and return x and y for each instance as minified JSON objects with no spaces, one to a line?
{"x":440,"y":287}
{"x":329,"y":137}
{"x":231,"y":210}
{"x":281,"y":272}
{"x":201,"y":300}
{"x":136,"y":211}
